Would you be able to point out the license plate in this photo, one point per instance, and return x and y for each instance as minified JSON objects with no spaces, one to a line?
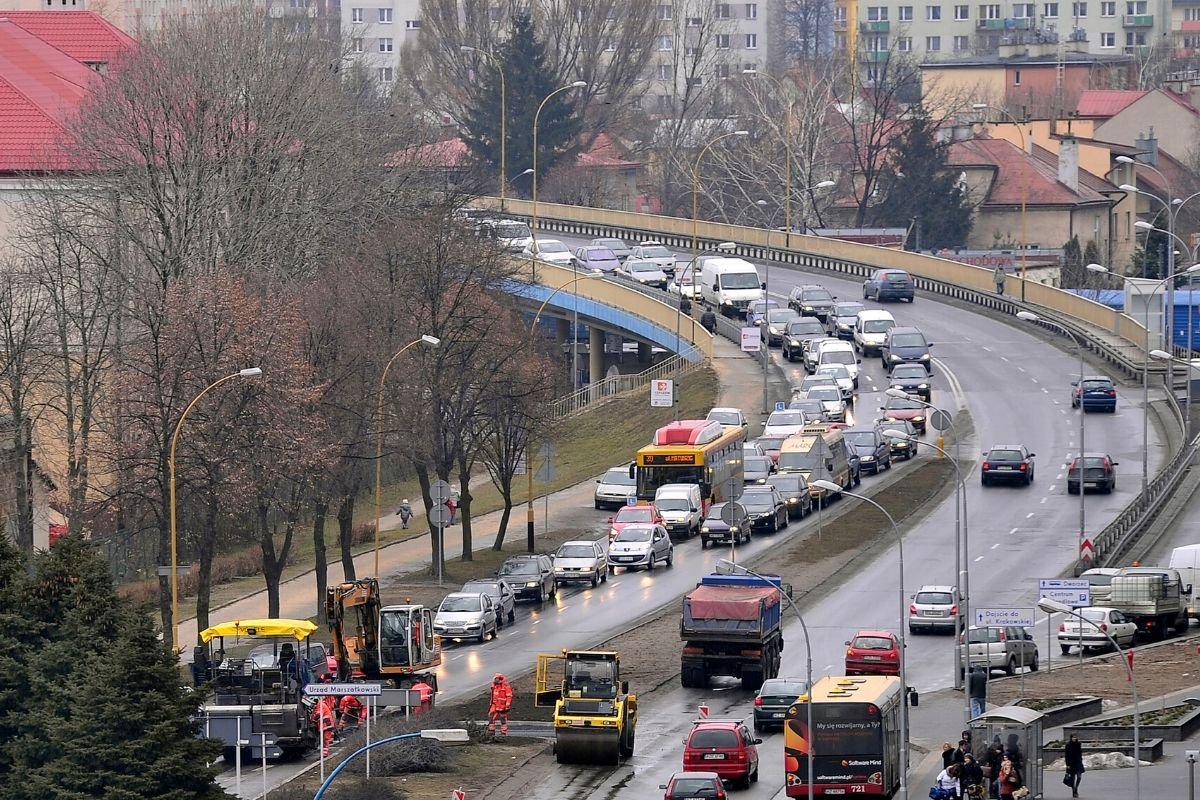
{"x":777,"y":715}
{"x":714,"y":756}
{"x":835,"y":791}
{"x":935,"y":613}
{"x":872,"y":658}
{"x":1089,"y":484}
{"x":1005,"y":469}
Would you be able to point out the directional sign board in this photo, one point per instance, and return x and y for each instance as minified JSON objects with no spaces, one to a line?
{"x":751,"y":339}
{"x":1074,"y":592}
{"x":360,"y":689}
{"x":780,"y":405}
{"x":1004,"y":617}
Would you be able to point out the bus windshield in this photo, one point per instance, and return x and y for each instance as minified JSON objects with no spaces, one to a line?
{"x":650,"y":478}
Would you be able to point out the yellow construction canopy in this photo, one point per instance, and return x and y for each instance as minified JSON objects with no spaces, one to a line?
{"x":296,"y":628}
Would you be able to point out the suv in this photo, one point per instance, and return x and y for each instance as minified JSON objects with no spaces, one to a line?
{"x":1098,"y":473}
{"x":581,"y":561}
{"x":1007,"y":462}
{"x":811,"y":300}
{"x":798,"y":334}
{"x":1008,"y":648}
{"x":884,"y":284}
{"x":873,"y":449}
{"x":725,"y":747}
{"x":935,"y":608}
{"x":531,"y":576}
{"x":904,"y":345}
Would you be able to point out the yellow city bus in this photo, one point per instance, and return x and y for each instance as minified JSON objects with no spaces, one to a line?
{"x":693,"y":451}
{"x":855,"y":740}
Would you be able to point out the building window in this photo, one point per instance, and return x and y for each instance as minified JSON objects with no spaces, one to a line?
{"x":962,"y":44}
{"x":723,"y":11}
{"x":610,"y":46}
{"x":693,"y":22}
{"x":751,"y":41}
{"x":412,"y":24}
{"x":989,"y":12}
{"x":878,"y":43}
{"x":839,"y":13}
{"x":385,"y":45}
{"x":1135,"y":7}
{"x":1135,"y":39}
{"x":751,"y":10}
{"x":877,"y":13}
{"x":1108,"y":8}
{"x":722,"y":70}
{"x":933,"y":44}
{"x":356,"y":15}
{"x":665,"y":43}
{"x":1050,"y":10}
{"x":933,"y":13}
{"x":385,"y":16}
{"x":1192,"y":14}
{"x":1078,"y":10}
{"x":664,"y":72}
{"x":695,"y":81}
{"x":1016,"y":77}
{"x":358,"y":45}
{"x":1108,"y":40}
{"x":962,"y":12}
{"x":750,"y":67}
{"x":1024,"y":11}
{"x":722,"y":41}
{"x":386,"y":74}
{"x":839,"y":41}
{"x":664,"y":13}
{"x":904,"y":44}
{"x":692,"y":54}
{"x":904,"y":13}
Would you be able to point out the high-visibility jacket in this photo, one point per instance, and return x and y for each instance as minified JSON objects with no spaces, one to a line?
{"x":352,"y":709}
{"x":502,"y":696}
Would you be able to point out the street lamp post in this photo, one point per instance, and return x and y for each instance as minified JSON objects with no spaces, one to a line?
{"x":432,"y":341}
{"x":695,"y":299}
{"x":1024,"y":188}
{"x":536,"y":118}
{"x":250,"y":372}
{"x":696,"y":192}
{"x":726,"y":567}
{"x":1053,"y":607}
{"x":490,"y":56}
{"x":830,"y":486}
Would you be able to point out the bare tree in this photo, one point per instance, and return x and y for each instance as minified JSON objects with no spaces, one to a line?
{"x":808,"y":30}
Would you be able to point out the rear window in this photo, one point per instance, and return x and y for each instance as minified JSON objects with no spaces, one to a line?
{"x":783,"y":688}
{"x":1005,"y":455}
{"x":934,"y":598}
{"x":694,"y":787}
{"x":757,"y":464}
{"x":1097,"y":384}
{"x":872,"y":643}
{"x":981,"y":635}
{"x":897,"y":277}
{"x":714,"y":737}
{"x":1094,"y":614}
{"x":787,"y":483}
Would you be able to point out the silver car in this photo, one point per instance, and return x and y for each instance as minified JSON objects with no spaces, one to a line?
{"x":935,"y":608}
{"x":503,"y":597}
{"x":580,"y":561}
{"x":831,"y":397}
{"x":1009,"y":648}
{"x":617,"y":246}
{"x":654,"y":251}
{"x":641,"y":546}
{"x":466,"y":615}
{"x":613,"y":490}
{"x":642,"y":272}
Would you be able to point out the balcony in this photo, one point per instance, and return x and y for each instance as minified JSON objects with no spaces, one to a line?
{"x":875,"y":56}
{"x":875,"y":26}
{"x":1138,"y":21}
{"x":1010,"y":24}
{"x":1140,"y":50}
{"x":839,"y":25}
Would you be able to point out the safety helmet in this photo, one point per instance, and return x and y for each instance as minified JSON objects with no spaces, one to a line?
{"x":498,"y":678}
{"x":406,"y":501}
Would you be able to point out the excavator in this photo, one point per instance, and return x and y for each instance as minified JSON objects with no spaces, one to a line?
{"x":595,"y":716}
{"x":395,"y":645}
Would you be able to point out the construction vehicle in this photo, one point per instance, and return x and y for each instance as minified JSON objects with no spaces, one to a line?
{"x":258,"y":702}
{"x":394,"y":645}
{"x":732,"y":625}
{"x":595,"y":716}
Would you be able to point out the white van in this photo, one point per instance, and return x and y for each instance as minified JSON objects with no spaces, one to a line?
{"x":729,"y":284}
{"x":681,"y":507}
{"x":870,"y":330}
{"x":1186,"y":561}
{"x":837,"y":351}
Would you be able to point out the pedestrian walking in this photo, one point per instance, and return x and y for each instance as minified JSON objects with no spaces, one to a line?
{"x":406,"y":513}
{"x":500,"y":705}
{"x":970,"y":778}
{"x":452,"y":507}
{"x":708,"y":320}
{"x":1075,"y":768}
{"x":977,"y":690}
{"x":998,"y":277}
{"x":685,"y":305}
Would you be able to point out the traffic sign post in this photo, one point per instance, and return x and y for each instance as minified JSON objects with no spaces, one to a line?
{"x":1087,"y":551}
{"x":339,"y":689}
{"x":662,"y":394}
{"x":1074,"y":592}
{"x":1004,"y":617}
{"x":780,"y":405}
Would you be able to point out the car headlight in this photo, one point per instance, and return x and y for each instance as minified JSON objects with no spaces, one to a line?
{"x":922,"y":385}
{"x":807,"y":308}
{"x":774,"y":331}
{"x":843,"y":327}
{"x":918,"y":419}
{"x":531,"y":585}
{"x":726,"y":302}
{"x":734,"y":529}
{"x":925,"y":356}
{"x":793,"y":499}
{"x":641,"y":280}
{"x":893,"y":357}
{"x":868,"y":458}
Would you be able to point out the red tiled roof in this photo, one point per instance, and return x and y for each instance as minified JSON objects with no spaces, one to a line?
{"x":83,"y":35}
{"x":603,"y":153}
{"x":1018,"y":175}
{"x":1105,"y":103}
{"x":453,"y":153}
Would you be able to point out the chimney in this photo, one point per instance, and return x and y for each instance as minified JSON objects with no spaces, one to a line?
{"x":1068,"y":162}
{"x":1148,"y":147}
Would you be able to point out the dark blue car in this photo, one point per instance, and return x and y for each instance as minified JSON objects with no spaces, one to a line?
{"x":1094,"y":393}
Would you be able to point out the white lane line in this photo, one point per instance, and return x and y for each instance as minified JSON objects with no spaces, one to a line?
{"x":1045,"y":390}
{"x":997,"y":544}
{"x":1035,"y":380}
{"x":978,"y":559}
{"x":1058,"y":477}
{"x":1004,"y":358}
{"x":1053,"y":487}
{"x":1030,"y":514}
{"x":1020,"y":369}
{"x":1014,"y":530}
{"x":1044,"y":499}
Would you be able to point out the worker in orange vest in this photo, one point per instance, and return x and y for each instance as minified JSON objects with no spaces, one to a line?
{"x":426,"y":696}
{"x":501,"y":704}
{"x":352,"y":711}
{"x":324,"y":717}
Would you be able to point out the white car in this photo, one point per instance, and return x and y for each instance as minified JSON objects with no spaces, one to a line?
{"x":512,"y":234}
{"x":641,"y":546}
{"x":613,"y":490}
{"x":684,"y":283}
{"x":812,"y":352}
{"x":831,"y":398}
{"x":784,"y":423}
{"x":580,"y":561}
{"x":655,"y":252}
{"x":1073,"y":632}
{"x":729,"y":417}
{"x":836,"y":351}
{"x":551,"y":250}
{"x":466,"y":615}
{"x":840,"y":374}
{"x":642,"y":272}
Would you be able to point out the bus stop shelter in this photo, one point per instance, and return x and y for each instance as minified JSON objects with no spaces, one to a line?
{"x":1019,"y":730}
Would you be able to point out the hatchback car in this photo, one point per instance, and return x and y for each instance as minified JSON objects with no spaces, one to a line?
{"x":756,"y":311}
{"x":617,"y":246}
{"x":810,"y":382}
{"x":911,"y":378}
{"x":811,"y":300}
{"x":770,"y":445}
{"x":595,"y":257}
{"x":643,"y":273}
{"x":1098,"y":473}
{"x":873,"y":449}
{"x":641,"y":546}
{"x":873,"y":653}
{"x":904,"y":345}
{"x":503,"y":597}
{"x":756,"y":469}
{"x":613,"y":490}
{"x":905,"y":446}
{"x":654,"y":251}
{"x":580,"y":561}
{"x":774,"y":698}
{"x":694,"y":786}
{"x":796,"y":494}
{"x":814,"y":410}
{"x":551,"y":250}
{"x":841,"y":374}
{"x":935,"y":608}
{"x":729,"y":417}
{"x":889,"y":284}
{"x":905,"y":409}
{"x":1089,"y":633}
{"x":783,"y":423}
{"x":775,"y":324}
{"x":466,"y":615}
{"x":1007,"y":462}
{"x":724,"y":747}
{"x":530,"y":576}
{"x":831,"y":397}
{"x":840,"y":322}
{"x":633,"y":515}
{"x":798,"y":334}
{"x":1009,"y":648}
{"x":1094,"y":393}
{"x":716,"y":530}
{"x":765,"y":508}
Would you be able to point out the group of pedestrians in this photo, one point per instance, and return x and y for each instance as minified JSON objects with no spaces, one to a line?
{"x":332,"y":715}
{"x":995,"y":771}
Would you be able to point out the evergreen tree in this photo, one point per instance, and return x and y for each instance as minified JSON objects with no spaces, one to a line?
{"x":922,"y":186}
{"x":528,"y":81}
{"x":15,"y":641}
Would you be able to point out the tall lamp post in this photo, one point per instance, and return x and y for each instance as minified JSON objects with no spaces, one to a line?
{"x":726,"y":567}
{"x":250,"y":372}
{"x":432,"y":341}
{"x":490,"y":56}
{"x":696,"y":190}
{"x":536,"y":118}
{"x":694,"y":273}
{"x":1024,"y":187}
{"x":1055,"y":607}
{"x":830,"y":486}
{"x":530,"y":518}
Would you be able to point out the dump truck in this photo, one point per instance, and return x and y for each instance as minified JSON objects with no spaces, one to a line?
{"x":595,"y":716}
{"x":394,"y":645}
{"x":732,"y":625}
{"x":1154,"y":598}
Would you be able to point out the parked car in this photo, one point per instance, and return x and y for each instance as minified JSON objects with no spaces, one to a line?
{"x":1098,"y":473}
{"x":840,"y":322}
{"x":580,"y":560}
{"x":1007,"y":462}
{"x":889,"y":284}
{"x":617,"y":246}
{"x":466,"y":615}
{"x":1094,"y":393}
{"x":716,"y":530}
{"x":756,"y":469}
{"x":1088,"y":633}
{"x":641,"y":514}
{"x":912,"y":378}
{"x":596,"y":257}
{"x":765,"y":507}
{"x":936,"y":608}
{"x":643,"y":273}
{"x":811,"y":300}
{"x":530,"y":576}
{"x":503,"y":597}
{"x":1008,"y":648}
{"x":641,"y":546}
{"x":798,"y":334}
{"x":724,"y":747}
{"x":909,"y":410}
{"x":774,"y":698}
{"x":614,"y":489}
{"x":729,"y":417}
{"x":795,"y":491}
{"x":694,"y":786}
{"x":873,"y":449}
{"x":654,"y":251}
{"x":873,"y":653}
{"x":774,"y":325}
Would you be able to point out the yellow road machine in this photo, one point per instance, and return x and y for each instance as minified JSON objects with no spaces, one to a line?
{"x":595,"y":716}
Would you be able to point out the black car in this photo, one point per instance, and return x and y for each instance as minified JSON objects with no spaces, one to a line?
{"x":796,"y":494}
{"x":904,"y":345}
{"x":797,"y":335}
{"x":1098,"y":473}
{"x":813,"y":409}
{"x":765,"y":507}
{"x":530,"y":576}
{"x":756,"y":469}
{"x":775,"y":697}
{"x":872,"y":447}
{"x":902,"y":446}
{"x":840,"y":322}
{"x":715,"y":529}
{"x":1012,"y":463}
{"x":811,"y":300}
{"x":884,"y":284}
{"x":912,"y":378}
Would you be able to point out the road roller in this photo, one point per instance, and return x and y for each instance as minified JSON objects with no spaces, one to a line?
{"x":595,"y":716}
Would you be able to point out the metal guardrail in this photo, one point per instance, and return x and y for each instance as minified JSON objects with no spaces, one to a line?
{"x":616,"y":385}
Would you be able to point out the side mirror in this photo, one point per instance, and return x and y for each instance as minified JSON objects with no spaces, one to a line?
{"x":716,"y":288}
{"x":1074,"y":383}
{"x":847,"y":643}
{"x":858,"y":361}
{"x":1031,"y":455}
{"x":663,"y":785}
{"x":758,"y":741}
{"x":763,"y":286}
{"x":597,"y":481}
{"x":624,"y":687}
{"x":694,"y":509}
{"x":632,"y":471}
{"x":929,"y":344}
{"x":610,"y":519}
{"x":1116,"y":463}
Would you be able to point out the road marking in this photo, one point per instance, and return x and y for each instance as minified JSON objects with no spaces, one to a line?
{"x":1004,"y":358}
{"x":1045,"y":390}
{"x":997,"y":544}
{"x":1058,"y":477}
{"x":1035,"y":380}
{"x":1020,"y":369}
{"x":1044,"y":499}
{"x":1053,"y":487}
{"x":1030,"y":514}
{"x":1014,"y":530}
{"x":978,"y":559}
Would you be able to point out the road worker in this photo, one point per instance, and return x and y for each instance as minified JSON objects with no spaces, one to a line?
{"x":501,"y":704}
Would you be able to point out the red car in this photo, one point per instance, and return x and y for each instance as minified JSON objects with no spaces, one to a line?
{"x":901,"y":408}
{"x":645,"y":514}
{"x":725,"y":747}
{"x":873,"y":653}
{"x":694,"y":786}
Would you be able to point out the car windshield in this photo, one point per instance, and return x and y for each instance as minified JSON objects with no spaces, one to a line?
{"x":908,"y":340}
{"x":600,"y":254}
{"x":1099,"y":580}
{"x":1005,"y":455}
{"x":773,"y":442}
{"x":636,"y":514}
{"x":780,"y":314}
{"x":714,"y":511}
{"x":847,"y":309}
{"x":837,"y":357}
{"x":909,"y":371}
{"x":871,"y":643}
{"x":740,"y":280}
{"x":825,"y":393}
{"x":671,"y":504}
{"x":817,"y":295}
{"x":757,"y":464}
{"x":482,"y":587}
{"x":576,"y":551}
{"x":725,"y":417}
{"x":655,"y":251}
{"x":644,"y":266}
{"x":634,"y":534}
{"x":714,"y":737}
{"x":787,"y":484}
{"x":835,"y":371}
{"x":900,"y":403}
{"x":693,"y":787}
{"x":799,"y":460}
{"x":860,"y":438}
{"x":934,"y":598}
{"x":757,"y":501}
{"x":460,"y":603}
{"x":551,"y":246}
{"x":618,"y":476}
{"x":785,"y":418}
{"x":877,"y":325}
{"x":519,"y":568}
{"x":512,"y":230}
{"x":614,"y":244}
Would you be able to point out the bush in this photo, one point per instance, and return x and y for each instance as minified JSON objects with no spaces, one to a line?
{"x":346,"y":787}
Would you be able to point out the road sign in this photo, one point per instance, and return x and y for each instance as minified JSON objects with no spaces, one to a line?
{"x":547,"y":450}
{"x":780,"y":405}
{"x":458,"y":794}
{"x":662,"y":394}
{"x":361,"y":689}
{"x":181,"y":570}
{"x":400,"y":698}
{"x":631,"y":500}
{"x":522,"y":465}
{"x":440,"y":492}
{"x":940,"y":420}
{"x":751,"y":339}
{"x":703,"y":712}
{"x":1004,"y":617}
{"x":439,"y":515}
{"x":546,"y":472}
{"x":1074,"y":592}
{"x":733,"y":514}
{"x":1086,"y":551}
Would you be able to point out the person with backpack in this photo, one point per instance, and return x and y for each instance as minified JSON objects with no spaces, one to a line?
{"x":406,"y":513}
